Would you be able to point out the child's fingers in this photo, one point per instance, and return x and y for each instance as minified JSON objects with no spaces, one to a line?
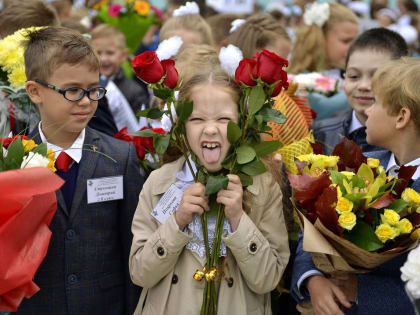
{"x":197,"y":200}
{"x":341,"y":297}
{"x":196,"y":189}
{"x":234,"y":179}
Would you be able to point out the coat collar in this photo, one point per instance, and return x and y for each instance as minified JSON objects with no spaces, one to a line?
{"x":168,"y":176}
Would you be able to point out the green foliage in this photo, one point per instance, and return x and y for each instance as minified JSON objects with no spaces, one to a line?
{"x":216,"y":183}
{"x":41,"y":149}
{"x":245,"y":154}
{"x":15,"y":153}
{"x":152,"y":113}
{"x":398,"y":205}
{"x":163,"y":93}
{"x":233,"y":132}
{"x":256,"y":99}
{"x":267,"y":147}
{"x":270,"y":114}
{"x":183,"y":111}
{"x":364,"y":237}
{"x":161,"y":143}
{"x":254,"y":168}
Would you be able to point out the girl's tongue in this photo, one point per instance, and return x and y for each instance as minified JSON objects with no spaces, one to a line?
{"x":211,"y":155}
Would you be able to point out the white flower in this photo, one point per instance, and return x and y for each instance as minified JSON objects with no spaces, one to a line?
{"x":411,"y":272}
{"x":229,"y":58}
{"x":34,"y":160}
{"x":306,"y":80}
{"x":188,"y":8}
{"x":169,"y":47}
{"x":317,"y":13}
{"x":236,"y":24}
{"x":4,"y":152}
{"x":166,"y":120}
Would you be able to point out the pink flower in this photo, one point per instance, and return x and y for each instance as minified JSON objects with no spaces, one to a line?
{"x":158,"y":12}
{"x":114,"y":9}
{"x":325,"y":84}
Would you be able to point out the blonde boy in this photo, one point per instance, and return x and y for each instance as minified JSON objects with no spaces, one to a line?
{"x":110,"y":45}
{"x":85,"y":270}
{"x":394,"y":119}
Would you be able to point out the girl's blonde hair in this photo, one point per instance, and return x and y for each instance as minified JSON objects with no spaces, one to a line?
{"x":309,"y":50}
{"x":256,"y":33}
{"x":190,"y":22}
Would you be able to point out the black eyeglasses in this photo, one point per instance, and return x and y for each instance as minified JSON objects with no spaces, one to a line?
{"x":74,"y":94}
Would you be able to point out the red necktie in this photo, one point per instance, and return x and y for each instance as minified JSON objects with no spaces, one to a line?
{"x":63,"y":161}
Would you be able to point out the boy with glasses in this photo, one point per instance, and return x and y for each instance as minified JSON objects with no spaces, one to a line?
{"x":85,"y":270}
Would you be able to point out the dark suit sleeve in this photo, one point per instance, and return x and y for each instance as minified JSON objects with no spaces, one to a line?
{"x":302,"y":264}
{"x":133,"y":182}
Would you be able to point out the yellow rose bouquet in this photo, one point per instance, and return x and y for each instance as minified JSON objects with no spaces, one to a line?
{"x":352,"y":215}
{"x":14,"y":101}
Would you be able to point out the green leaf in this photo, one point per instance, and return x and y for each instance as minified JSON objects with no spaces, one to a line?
{"x":256,"y":99}
{"x":246,"y":180}
{"x":366,"y":173}
{"x":184,"y":111}
{"x":234,"y":133}
{"x":228,"y":162}
{"x":41,"y":149}
{"x":161,"y":143}
{"x":15,"y":153}
{"x":364,"y":237}
{"x":338,"y":178}
{"x":216,"y":183}
{"x":356,"y":197}
{"x":254,"y":168}
{"x":398,"y":205}
{"x":245,"y":154}
{"x":164,"y":93}
{"x":152,"y":113}
{"x":358,"y":181}
{"x":267,"y":147}
{"x":270,"y":114}
{"x":144,"y":133}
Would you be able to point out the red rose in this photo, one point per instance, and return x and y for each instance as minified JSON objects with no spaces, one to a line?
{"x":147,"y":142}
{"x":279,"y":86}
{"x":148,"y":67}
{"x":7,"y":141}
{"x":269,"y":67}
{"x":246,"y":71}
{"x":171,"y":78}
{"x":137,"y":141}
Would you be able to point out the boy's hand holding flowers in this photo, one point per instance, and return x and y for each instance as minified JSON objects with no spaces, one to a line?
{"x":231,"y":197}
{"x":193,"y":201}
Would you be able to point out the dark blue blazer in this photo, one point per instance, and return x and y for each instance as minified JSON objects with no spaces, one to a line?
{"x":85,"y":270}
{"x":380,"y":291}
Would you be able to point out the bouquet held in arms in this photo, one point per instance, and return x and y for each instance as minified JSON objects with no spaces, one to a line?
{"x":27,"y":206}
{"x":260,"y":79}
{"x":354,"y":217}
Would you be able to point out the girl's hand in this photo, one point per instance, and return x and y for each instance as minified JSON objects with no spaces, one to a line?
{"x":231,"y":197}
{"x":193,"y":201}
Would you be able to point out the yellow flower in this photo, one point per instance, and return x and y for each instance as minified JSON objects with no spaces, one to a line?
{"x":339,"y":193}
{"x":309,"y":158}
{"x":415,"y":235}
{"x":100,"y":4}
{"x":331,"y":161}
{"x":411,"y":196}
{"x":50,"y":154}
{"x":373,"y":163}
{"x":349,"y":175}
{"x":344,"y":205}
{"x":347,"y":220}
{"x":211,"y":274}
{"x":386,"y":232}
{"x":198,"y":275}
{"x":142,"y":7}
{"x":51,"y":165}
{"x":17,"y":77}
{"x":390,"y":217}
{"x":28,"y":145}
{"x":405,"y":226}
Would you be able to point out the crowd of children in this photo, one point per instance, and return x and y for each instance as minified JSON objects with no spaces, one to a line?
{"x":114,"y":257}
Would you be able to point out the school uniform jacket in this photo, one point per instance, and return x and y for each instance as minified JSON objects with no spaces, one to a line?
{"x":379,"y":292}
{"x":85,"y":271}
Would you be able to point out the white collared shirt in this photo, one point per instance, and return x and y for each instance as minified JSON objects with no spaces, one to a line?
{"x":355,"y":123}
{"x":74,"y":151}
{"x":392,"y":164}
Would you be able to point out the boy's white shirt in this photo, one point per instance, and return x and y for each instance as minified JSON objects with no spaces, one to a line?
{"x":355,"y":123}
{"x":392,"y":164}
{"x":74,"y":151}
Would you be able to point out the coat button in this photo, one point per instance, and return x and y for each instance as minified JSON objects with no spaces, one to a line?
{"x":253,"y":247}
{"x":230,"y":282}
{"x":160,"y":251}
{"x":70,"y":234}
{"x":72,"y":279}
{"x":174,"y":279}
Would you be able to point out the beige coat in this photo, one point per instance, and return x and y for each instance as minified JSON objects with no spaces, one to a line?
{"x":257,"y":255}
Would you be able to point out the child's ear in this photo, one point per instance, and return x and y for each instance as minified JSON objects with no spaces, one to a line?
{"x":32,"y":88}
{"x":403,"y":118}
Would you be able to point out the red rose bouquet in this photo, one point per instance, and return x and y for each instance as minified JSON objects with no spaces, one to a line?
{"x":353,"y":216}
{"x":260,"y":79}
{"x":26,"y":210}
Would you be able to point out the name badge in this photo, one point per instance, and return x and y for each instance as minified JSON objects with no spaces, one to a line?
{"x":167,"y":204}
{"x":105,"y":189}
